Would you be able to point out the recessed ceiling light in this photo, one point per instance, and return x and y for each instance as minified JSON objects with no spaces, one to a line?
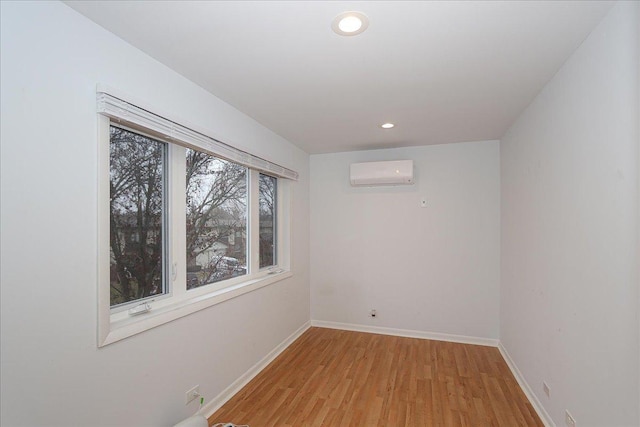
{"x":350,"y":23}
{"x":387,"y":125}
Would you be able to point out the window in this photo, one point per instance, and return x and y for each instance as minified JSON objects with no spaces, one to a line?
{"x":268,"y":188}
{"x":185,"y":221}
{"x":137,"y":207}
{"x":216,"y":210}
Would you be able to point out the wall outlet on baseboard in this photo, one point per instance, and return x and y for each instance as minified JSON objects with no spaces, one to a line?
{"x":373,"y":313}
{"x":192,"y":394}
{"x":568,"y":418}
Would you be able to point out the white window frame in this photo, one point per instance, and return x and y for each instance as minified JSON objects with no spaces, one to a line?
{"x":117,"y":323}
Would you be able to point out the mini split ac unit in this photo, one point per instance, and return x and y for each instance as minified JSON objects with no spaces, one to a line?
{"x":396,"y":172}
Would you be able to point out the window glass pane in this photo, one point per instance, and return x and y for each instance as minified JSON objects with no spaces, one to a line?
{"x":267,"y":203}
{"x":216,"y":219}
{"x":137,"y":168}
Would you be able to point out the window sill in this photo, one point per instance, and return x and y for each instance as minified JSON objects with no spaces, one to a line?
{"x":125,"y":328}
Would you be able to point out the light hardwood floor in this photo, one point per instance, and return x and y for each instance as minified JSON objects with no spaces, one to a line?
{"x":339,"y":378}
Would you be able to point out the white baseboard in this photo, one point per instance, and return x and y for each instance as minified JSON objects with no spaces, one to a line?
{"x":217,"y":402}
{"x":406,"y":333}
{"x":528,"y":391}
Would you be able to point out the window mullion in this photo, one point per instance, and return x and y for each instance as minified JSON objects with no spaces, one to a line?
{"x":254,"y":222}
{"x":177,"y":258}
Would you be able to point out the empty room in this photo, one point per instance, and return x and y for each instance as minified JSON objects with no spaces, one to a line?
{"x":320,"y":213}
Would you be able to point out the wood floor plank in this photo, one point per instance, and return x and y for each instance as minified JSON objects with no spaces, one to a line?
{"x":339,"y":378}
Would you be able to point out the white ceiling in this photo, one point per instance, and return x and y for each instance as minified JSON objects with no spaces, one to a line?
{"x":442,"y":71}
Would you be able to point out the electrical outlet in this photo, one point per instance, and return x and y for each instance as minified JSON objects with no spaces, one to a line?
{"x":192,"y":394}
{"x":571,"y":422}
{"x":546,"y":389}
{"x":373,"y":313}
{"x":423,"y":202}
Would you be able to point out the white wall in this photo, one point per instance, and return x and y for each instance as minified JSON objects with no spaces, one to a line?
{"x":52,"y":371}
{"x":569,"y":293}
{"x":433,"y":269}
{"x":638,"y":227}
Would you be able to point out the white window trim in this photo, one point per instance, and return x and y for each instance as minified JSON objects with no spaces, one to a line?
{"x":115,"y":325}
{"x":113,"y":104}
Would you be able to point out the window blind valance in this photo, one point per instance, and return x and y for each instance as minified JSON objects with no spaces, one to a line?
{"x":170,"y":131}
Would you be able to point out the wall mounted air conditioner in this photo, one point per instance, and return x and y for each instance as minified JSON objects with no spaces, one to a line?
{"x":396,"y":172}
